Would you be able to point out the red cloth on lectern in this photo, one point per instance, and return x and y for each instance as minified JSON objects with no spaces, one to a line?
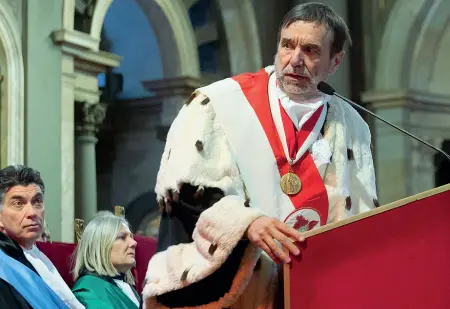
{"x":399,"y":259}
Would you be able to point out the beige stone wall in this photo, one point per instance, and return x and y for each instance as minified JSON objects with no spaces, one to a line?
{"x":268,"y":15}
{"x":43,"y":116}
{"x":11,"y":86}
{"x":375,"y":16}
{"x":411,"y":80}
{"x":16,"y":10}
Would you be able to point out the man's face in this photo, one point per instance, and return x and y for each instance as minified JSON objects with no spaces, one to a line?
{"x":22,"y":214}
{"x":303,"y":58}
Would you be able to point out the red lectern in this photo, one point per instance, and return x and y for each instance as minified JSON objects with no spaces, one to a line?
{"x":396,"y":256}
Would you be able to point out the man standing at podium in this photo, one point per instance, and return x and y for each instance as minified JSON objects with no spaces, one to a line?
{"x":252,"y":161}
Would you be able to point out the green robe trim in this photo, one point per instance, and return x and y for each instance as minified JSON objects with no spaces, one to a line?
{"x":96,"y":293}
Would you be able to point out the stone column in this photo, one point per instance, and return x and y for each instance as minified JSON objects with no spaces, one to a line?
{"x":80,"y":61}
{"x":44,"y":110}
{"x":67,"y":149}
{"x":404,"y":167}
{"x":173,"y":93}
{"x":89,"y":116}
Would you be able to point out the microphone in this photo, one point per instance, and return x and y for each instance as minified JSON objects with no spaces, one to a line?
{"x":327,"y":89}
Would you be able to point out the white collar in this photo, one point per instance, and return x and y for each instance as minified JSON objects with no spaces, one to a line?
{"x":48,"y":272}
{"x":308,"y":110}
{"x":299,"y":112}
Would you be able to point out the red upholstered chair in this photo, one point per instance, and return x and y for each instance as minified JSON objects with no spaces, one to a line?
{"x":145,"y":249}
{"x":61,"y":256}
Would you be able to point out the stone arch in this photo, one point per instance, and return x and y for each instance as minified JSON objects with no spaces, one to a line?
{"x":68,"y":14}
{"x":403,"y":22}
{"x":101,"y":7}
{"x":242,"y":35}
{"x":12,"y":103}
{"x":413,"y":31}
{"x":141,"y":211}
{"x":175,"y":35}
{"x":427,"y":43}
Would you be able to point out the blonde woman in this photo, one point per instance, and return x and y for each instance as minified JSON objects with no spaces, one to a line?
{"x":104,"y":258}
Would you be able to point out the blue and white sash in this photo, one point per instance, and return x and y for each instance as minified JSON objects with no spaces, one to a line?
{"x":36,"y":292}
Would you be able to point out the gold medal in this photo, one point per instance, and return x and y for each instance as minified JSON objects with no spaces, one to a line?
{"x":290,"y":183}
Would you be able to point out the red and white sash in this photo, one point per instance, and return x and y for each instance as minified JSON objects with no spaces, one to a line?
{"x":254,"y":139}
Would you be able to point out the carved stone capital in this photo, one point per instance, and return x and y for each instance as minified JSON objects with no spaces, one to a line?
{"x":172,"y":87}
{"x":88,"y":117}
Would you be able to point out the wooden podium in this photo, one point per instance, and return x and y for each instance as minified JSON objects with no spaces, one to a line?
{"x":396,"y":256}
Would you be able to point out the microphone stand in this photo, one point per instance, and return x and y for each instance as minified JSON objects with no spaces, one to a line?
{"x":327,"y":89}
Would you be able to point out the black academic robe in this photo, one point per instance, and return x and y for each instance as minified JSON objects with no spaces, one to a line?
{"x":177,"y":225}
{"x":9,"y":297}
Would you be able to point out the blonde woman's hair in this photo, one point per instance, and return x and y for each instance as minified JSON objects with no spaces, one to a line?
{"x":93,"y":252}
{"x":45,"y":235}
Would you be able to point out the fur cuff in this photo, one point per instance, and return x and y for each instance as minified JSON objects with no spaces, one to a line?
{"x":238,"y":286}
{"x":214,"y":240}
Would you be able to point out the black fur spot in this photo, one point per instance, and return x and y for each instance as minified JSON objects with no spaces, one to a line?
{"x":205,"y":101}
{"x":350,"y":155}
{"x":376,"y":203}
{"x":247,"y":203}
{"x":348,"y":203}
{"x":258,"y":265}
{"x":192,"y":97}
{"x":184,"y":275}
{"x":212,"y":249}
{"x":199,"y":145}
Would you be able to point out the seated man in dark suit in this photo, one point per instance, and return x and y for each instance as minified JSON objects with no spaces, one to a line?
{"x":28,"y":279}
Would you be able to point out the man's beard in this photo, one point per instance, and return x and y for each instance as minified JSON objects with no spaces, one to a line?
{"x":295,"y":87}
{"x":292,"y":87}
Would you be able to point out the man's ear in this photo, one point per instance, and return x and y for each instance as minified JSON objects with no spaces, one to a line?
{"x":2,"y":227}
{"x":335,"y":62}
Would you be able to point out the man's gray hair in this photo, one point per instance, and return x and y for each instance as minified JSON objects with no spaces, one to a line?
{"x":322,"y":14}
{"x":93,"y":253}
{"x":18,"y":175}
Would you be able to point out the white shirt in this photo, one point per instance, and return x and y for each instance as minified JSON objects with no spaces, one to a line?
{"x":51,"y":276}
{"x":320,"y":149}
{"x":126,"y":288}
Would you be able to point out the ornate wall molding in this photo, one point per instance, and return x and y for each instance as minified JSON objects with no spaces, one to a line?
{"x":73,"y":39}
{"x":10,"y":37}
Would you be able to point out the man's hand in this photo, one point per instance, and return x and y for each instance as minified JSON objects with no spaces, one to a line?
{"x":264,"y":231}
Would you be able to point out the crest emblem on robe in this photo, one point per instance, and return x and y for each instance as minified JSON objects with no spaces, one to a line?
{"x":303,"y":220}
